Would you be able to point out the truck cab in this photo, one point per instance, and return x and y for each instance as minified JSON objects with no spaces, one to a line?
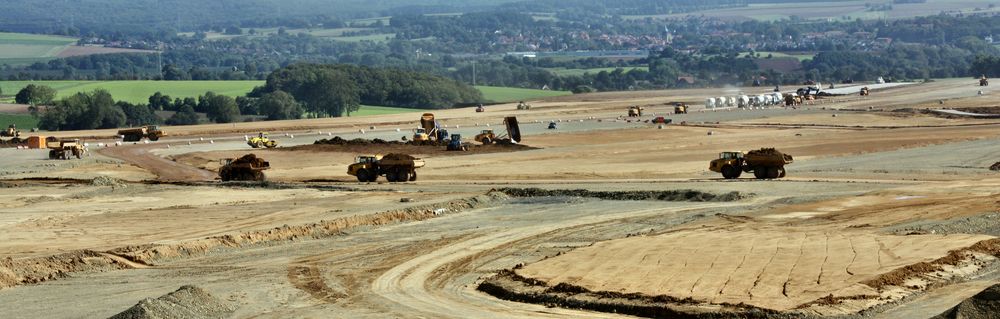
{"x":730,"y":164}
{"x":420,"y":135}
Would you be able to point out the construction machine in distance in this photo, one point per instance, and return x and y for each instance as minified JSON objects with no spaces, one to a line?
{"x":983,"y":81}
{"x":429,"y":130}
{"x":11,"y":131}
{"x":634,"y":111}
{"x":662,"y":120}
{"x":480,"y":109}
{"x":262,"y":141}
{"x":152,"y":132}
{"x":455,"y":144}
{"x":65,"y":149}
{"x":765,"y":163}
{"x":523,"y":106}
{"x":513,"y":134}
{"x":395,"y":167}
{"x":246,"y":168}
{"x":865,"y":91}
{"x":680,"y":108}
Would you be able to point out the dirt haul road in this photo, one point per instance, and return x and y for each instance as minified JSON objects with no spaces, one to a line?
{"x":888,"y":203}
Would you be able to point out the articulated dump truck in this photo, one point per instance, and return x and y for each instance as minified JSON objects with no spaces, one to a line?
{"x":395,"y":167}
{"x":513,"y":135}
{"x":152,"y":132}
{"x":246,"y":168}
{"x":765,"y":163}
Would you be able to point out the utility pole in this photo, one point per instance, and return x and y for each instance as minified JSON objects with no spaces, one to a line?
{"x":473,"y":72}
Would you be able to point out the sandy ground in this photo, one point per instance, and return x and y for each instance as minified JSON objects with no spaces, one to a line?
{"x":871,"y":194}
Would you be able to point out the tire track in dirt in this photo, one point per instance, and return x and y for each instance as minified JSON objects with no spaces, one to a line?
{"x":141,"y":155}
{"x":407,"y":283}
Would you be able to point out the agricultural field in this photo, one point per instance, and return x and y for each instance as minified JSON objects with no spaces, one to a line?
{"x":580,"y":72}
{"x":20,"y":48}
{"x":837,"y":10}
{"x":23,"y":121}
{"x":368,"y":110}
{"x":505,"y":94}
{"x":139,"y":91}
{"x":340,"y":34}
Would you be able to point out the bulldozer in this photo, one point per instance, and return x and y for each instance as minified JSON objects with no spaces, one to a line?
{"x":246,"y":168}
{"x":455,"y":144}
{"x":395,"y":167}
{"x":262,"y":141}
{"x":513,"y":135}
{"x":11,"y":131}
{"x":152,"y":132}
{"x":634,"y":111}
{"x":765,"y":163}
{"x":983,"y":81}
{"x":680,"y":108}
{"x":865,"y":91}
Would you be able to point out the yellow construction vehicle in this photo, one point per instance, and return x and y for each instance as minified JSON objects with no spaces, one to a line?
{"x":680,"y":108}
{"x":262,"y":141}
{"x":152,"y":132}
{"x":983,"y":81}
{"x":65,"y":149}
{"x":513,"y":133}
{"x":765,"y":163}
{"x":246,"y":168}
{"x":865,"y":91}
{"x":395,"y":167}
{"x":429,"y":130}
{"x":11,"y":131}
{"x":634,"y":111}
{"x":523,"y":106}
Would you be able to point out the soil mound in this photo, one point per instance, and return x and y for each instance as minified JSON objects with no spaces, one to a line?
{"x":108,"y":181}
{"x":188,"y":302}
{"x":995,"y":166}
{"x":983,"y":305}
{"x":672,"y":196}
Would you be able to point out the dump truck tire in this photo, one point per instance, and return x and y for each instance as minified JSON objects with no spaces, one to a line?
{"x":760,"y":172}
{"x":154,"y":138}
{"x":413,"y":176}
{"x":403,"y":176}
{"x":772,"y":172}
{"x":391,"y":176}
{"x":487,"y":141}
{"x":781,"y":172}
{"x":363,"y":175}
{"x":52,"y":154}
{"x":730,"y":172}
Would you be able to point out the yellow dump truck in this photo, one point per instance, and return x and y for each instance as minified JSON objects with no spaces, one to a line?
{"x":152,"y":132}
{"x":246,"y":168}
{"x":513,"y":133}
{"x":65,"y":149}
{"x":765,"y":163}
{"x":395,"y":167}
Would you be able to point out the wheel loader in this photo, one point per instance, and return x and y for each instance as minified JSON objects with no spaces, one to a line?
{"x":246,"y":168}
{"x":680,"y":108}
{"x":11,"y":131}
{"x":65,"y":149}
{"x":983,"y":81}
{"x":395,"y":167}
{"x":765,"y":163}
{"x":865,"y":91}
{"x":634,"y":111}
{"x":455,"y":144}
{"x":262,"y":141}
{"x":152,"y":132}
{"x":513,"y":135}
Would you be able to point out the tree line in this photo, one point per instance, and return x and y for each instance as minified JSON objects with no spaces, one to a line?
{"x":293,"y":92}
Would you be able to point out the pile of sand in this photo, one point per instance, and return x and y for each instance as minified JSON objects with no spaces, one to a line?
{"x":188,"y":302}
{"x":983,"y":305}
{"x":108,"y":181}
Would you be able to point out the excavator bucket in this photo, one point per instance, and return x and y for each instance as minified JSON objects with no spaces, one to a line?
{"x":512,"y":128}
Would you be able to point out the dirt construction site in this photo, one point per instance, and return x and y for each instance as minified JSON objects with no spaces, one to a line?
{"x":890,"y":209}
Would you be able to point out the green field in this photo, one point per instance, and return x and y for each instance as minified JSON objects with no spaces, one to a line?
{"x":382,"y":110}
{"x":335,"y":34}
{"x":800,"y":57}
{"x":505,"y":94}
{"x":139,"y":91}
{"x":24,"y":122}
{"x":21,"y":48}
{"x":580,"y":72}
